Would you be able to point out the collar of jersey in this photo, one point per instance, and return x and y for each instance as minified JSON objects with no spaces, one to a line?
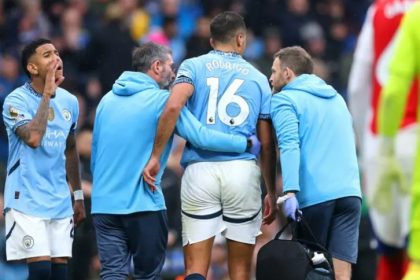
{"x":232,"y":54}
{"x":33,"y":91}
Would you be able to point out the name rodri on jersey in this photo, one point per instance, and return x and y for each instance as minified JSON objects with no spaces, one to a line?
{"x":230,"y":95}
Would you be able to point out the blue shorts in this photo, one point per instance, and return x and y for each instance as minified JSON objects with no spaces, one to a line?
{"x":140,"y":236}
{"x":335,"y":224}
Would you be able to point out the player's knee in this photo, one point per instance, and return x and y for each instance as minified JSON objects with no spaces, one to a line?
{"x":39,"y":270}
{"x":195,"y":276}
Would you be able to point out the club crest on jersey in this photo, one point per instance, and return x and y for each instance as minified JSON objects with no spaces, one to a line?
{"x":51,"y":114}
{"x":66,"y":115}
{"x":28,"y":241}
{"x":15,"y":114}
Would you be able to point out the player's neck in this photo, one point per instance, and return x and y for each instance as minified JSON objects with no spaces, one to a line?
{"x":227,"y":49}
{"x":37,"y":85}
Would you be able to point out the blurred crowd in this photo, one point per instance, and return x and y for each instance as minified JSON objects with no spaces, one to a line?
{"x":95,"y":39}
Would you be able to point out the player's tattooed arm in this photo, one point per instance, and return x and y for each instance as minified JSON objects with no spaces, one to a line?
{"x":32,"y":132}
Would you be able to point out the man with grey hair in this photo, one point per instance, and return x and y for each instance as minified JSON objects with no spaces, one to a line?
{"x":129,"y":217}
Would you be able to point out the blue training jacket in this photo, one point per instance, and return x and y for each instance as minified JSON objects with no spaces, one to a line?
{"x":123,"y":136}
{"x":316,"y":141}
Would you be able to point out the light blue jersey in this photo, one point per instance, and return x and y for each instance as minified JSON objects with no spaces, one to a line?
{"x":36,"y":178}
{"x":123,"y":136}
{"x":230,"y":95}
{"x":316,"y":140}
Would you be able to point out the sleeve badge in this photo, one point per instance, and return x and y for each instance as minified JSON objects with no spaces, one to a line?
{"x":15,"y":114}
{"x":66,"y":114}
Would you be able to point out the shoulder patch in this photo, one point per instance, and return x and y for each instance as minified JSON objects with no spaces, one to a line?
{"x":15,"y":114}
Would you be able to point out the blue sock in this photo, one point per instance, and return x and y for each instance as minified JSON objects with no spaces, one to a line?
{"x":59,"y":271}
{"x":195,"y":276}
{"x":39,"y":270}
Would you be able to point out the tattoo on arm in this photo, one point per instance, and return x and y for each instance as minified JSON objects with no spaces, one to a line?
{"x":38,"y":125}
{"x":24,"y":132}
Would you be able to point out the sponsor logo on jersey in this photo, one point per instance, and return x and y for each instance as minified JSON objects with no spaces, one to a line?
{"x":28,"y":241}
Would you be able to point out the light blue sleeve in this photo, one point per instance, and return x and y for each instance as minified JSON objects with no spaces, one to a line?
{"x":189,"y":128}
{"x":186,"y":72}
{"x":286,"y":124}
{"x":75,"y":116}
{"x":15,"y":111}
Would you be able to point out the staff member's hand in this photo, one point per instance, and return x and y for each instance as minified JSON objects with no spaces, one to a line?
{"x":150,"y":171}
{"x":291,"y":206}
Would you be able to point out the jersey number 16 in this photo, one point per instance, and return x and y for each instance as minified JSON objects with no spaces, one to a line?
{"x":228,"y":97}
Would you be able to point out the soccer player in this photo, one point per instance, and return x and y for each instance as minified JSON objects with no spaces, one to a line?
{"x":403,"y":68}
{"x":389,"y":204}
{"x":130,"y":219}
{"x":40,"y":120}
{"x":220,"y":192}
{"x":318,"y":156}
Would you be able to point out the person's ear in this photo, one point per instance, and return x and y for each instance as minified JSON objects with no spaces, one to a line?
{"x":289,"y":74}
{"x":156,"y":66}
{"x":287,"y":69}
{"x":32,"y":69}
{"x":212,"y":43}
{"x":240,"y":39}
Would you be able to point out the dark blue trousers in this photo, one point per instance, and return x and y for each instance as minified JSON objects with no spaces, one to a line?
{"x":140,"y":236}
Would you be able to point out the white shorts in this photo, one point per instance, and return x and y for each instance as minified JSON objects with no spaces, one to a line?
{"x":29,"y":236}
{"x":392,"y":227}
{"x":221,"y":197}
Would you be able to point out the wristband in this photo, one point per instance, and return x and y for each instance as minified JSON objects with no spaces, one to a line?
{"x":78,"y":195}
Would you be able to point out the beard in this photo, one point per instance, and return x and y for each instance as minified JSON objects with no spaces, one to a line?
{"x":166,"y":85}
{"x":277,"y":88}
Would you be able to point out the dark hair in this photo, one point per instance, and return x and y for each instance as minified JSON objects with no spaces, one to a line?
{"x":295,"y":58}
{"x":29,"y":50}
{"x":146,"y":54}
{"x":224,"y":26}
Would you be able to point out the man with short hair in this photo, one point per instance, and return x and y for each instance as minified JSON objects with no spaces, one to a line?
{"x":220,"y":192}
{"x":129,"y":217}
{"x":40,"y":120}
{"x":318,"y":156}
